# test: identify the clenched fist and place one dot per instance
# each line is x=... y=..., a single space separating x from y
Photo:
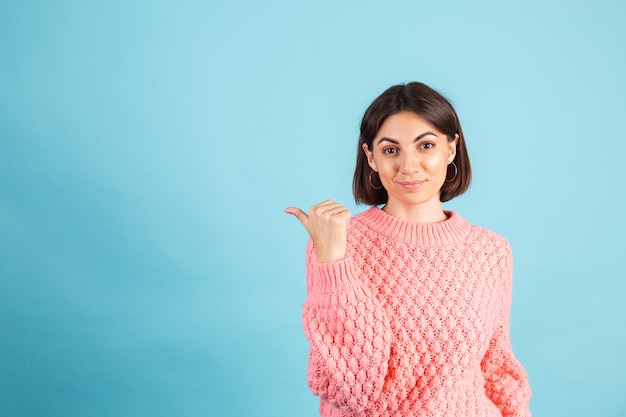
x=327 y=224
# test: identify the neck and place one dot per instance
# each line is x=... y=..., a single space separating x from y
x=426 y=213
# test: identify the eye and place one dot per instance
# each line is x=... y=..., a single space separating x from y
x=427 y=145
x=389 y=151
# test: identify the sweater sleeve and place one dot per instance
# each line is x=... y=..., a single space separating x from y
x=506 y=381
x=349 y=334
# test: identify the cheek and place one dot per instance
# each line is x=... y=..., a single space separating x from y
x=387 y=166
x=438 y=164
x=380 y=162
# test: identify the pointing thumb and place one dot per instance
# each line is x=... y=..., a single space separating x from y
x=299 y=214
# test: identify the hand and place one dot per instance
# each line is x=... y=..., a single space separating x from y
x=327 y=224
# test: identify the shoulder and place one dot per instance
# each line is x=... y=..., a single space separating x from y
x=365 y=215
x=364 y=218
x=493 y=251
x=488 y=238
x=364 y=227
x=488 y=234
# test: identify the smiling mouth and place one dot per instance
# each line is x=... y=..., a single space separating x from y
x=411 y=185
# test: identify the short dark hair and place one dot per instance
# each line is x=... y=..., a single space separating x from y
x=432 y=107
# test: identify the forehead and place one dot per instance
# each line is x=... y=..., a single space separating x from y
x=405 y=125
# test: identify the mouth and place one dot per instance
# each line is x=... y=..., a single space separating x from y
x=411 y=185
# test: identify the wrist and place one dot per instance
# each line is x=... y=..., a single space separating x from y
x=327 y=255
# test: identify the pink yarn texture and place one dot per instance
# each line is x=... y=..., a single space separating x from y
x=414 y=321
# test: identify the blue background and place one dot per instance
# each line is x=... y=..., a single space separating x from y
x=148 y=149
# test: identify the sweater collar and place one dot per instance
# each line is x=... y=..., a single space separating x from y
x=450 y=231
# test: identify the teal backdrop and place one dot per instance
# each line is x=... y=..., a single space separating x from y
x=148 y=149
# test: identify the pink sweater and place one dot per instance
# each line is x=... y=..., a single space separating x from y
x=414 y=322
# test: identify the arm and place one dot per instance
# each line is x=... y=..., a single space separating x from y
x=506 y=382
x=349 y=333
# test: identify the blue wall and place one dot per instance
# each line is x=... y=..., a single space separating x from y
x=148 y=148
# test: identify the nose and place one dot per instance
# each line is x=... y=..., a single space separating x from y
x=410 y=163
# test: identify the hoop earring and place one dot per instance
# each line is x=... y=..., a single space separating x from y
x=372 y=185
x=456 y=172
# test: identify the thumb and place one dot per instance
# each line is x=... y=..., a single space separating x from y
x=299 y=214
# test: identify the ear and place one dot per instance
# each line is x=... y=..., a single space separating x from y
x=452 y=147
x=370 y=157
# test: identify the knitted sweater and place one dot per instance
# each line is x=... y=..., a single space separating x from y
x=414 y=321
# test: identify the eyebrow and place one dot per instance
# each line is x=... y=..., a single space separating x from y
x=386 y=139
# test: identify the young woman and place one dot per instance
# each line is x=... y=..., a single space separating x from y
x=408 y=305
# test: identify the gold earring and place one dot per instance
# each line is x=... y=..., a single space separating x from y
x=372 y=185
x=456 y=172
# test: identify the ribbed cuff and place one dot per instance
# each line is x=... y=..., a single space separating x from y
x=333 y=276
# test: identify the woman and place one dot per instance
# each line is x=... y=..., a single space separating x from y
x=408 y=305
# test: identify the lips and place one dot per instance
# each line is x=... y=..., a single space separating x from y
x=411 y=185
